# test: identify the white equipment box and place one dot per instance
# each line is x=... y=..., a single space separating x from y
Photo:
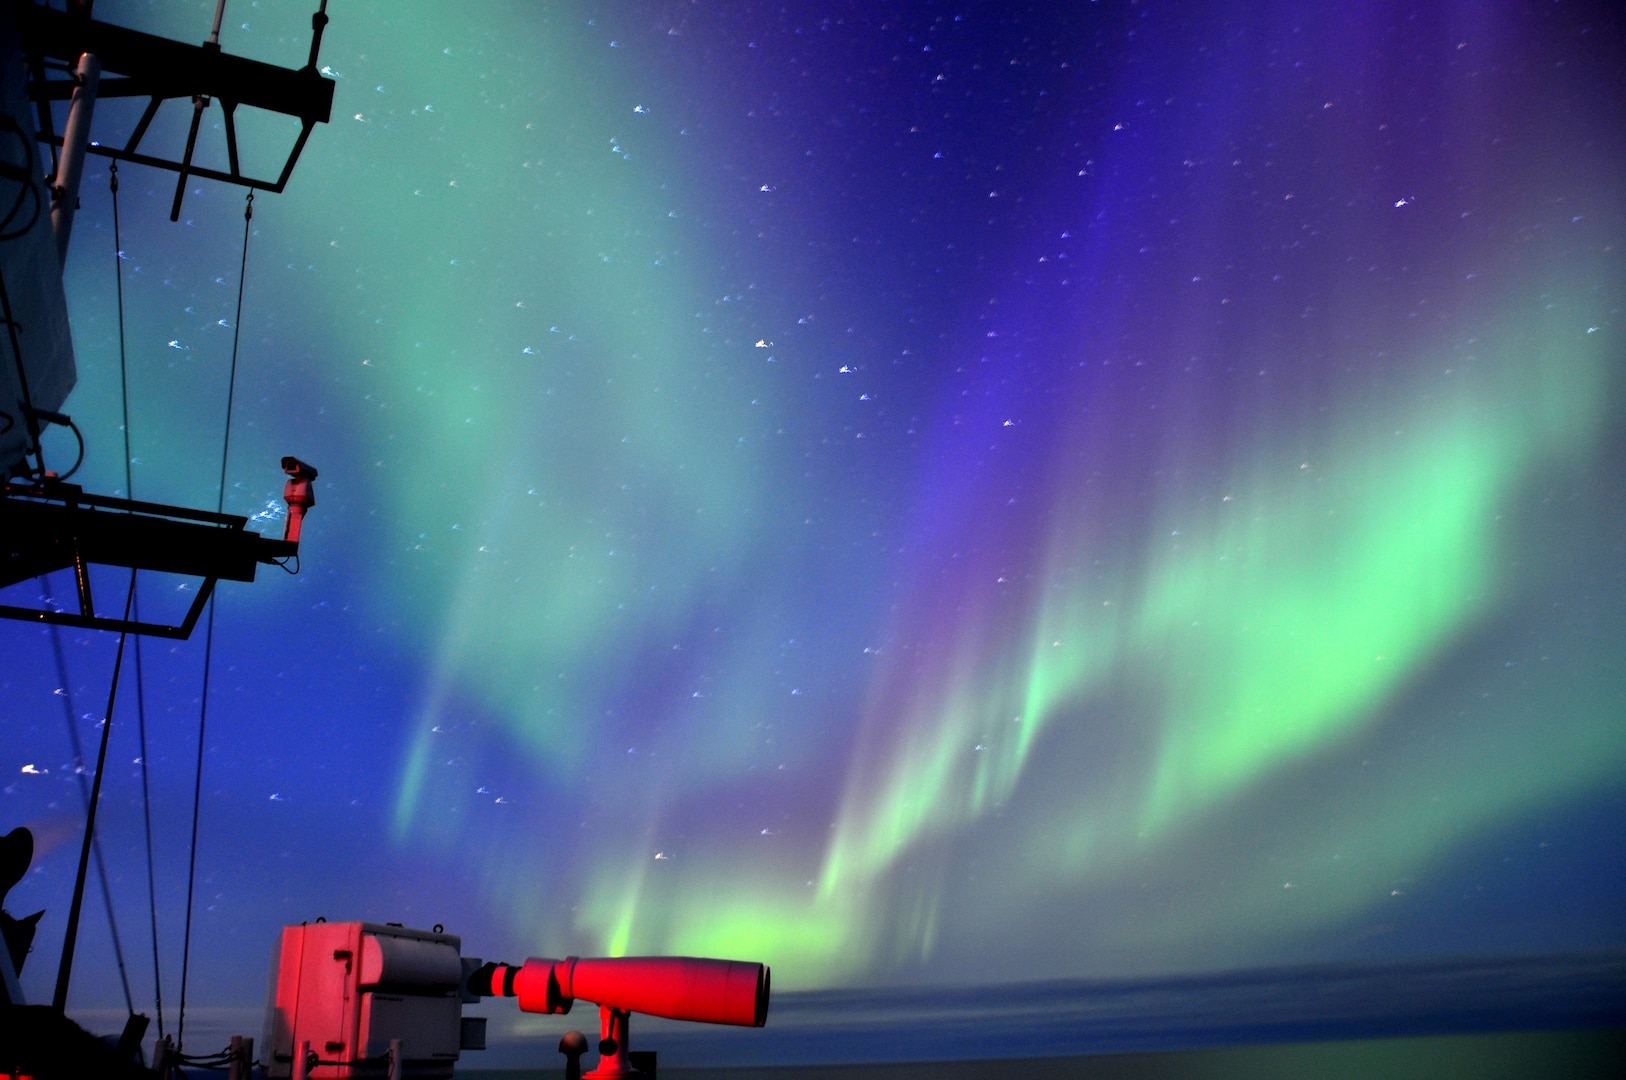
x=349 y=988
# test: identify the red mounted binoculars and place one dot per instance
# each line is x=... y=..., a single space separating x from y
x=676 y=987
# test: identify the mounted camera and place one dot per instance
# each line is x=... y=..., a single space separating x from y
x=298 y=469
x=298 y=494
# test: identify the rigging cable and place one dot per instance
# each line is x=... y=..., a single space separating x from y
x=64 y=970
x=10 y=125
x=69 y=713
x=209 y=637
x=141 y=690
x=93 y=796
x=30 y=417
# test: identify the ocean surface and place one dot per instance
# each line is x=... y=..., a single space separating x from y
x=1316 y=1004
x=1570 y=1055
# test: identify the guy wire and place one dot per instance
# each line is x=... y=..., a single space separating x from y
x=141 y=690
x=209 y=638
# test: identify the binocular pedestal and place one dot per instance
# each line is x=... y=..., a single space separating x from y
x=614 y=1056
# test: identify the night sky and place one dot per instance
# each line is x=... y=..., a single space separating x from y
x=908 y=493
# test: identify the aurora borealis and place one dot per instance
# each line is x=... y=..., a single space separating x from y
x=911 y=494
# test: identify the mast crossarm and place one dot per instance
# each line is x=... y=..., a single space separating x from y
x=160 y=67
x=45 y=529
x=137 y=64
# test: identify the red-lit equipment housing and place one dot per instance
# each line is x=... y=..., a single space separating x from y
x=676 y=987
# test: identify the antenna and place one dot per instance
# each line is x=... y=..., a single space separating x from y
x=214 y=31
